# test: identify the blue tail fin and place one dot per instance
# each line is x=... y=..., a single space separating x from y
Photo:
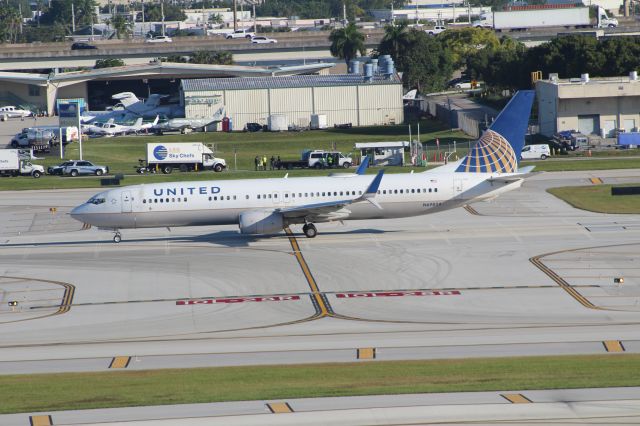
x=498 y=150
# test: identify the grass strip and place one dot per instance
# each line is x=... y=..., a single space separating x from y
x=598 y=198
x=74 y=391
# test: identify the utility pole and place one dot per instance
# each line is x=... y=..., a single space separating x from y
x=162 y=12
x=344 y=13
x=142 y=3
x=255 y=28
x=235 y=15
x=20 y=12
x=73 y=19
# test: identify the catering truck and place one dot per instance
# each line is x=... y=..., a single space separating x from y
x=187 y=156
x=577 y=17
x=13 y=164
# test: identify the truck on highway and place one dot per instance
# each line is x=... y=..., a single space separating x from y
x=577 y=17
x=187 y=156
x=12 y=163
x=316 y=159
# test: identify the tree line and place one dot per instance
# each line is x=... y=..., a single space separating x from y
x=427 y=63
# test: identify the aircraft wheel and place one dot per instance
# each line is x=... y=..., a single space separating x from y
x=117 y=238
x=310 y=230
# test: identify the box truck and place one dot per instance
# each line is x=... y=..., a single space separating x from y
x=577 y=17
x=191 y=156
x=13 y=164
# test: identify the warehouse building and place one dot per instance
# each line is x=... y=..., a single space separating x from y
x=353 y=99
x=598 y=107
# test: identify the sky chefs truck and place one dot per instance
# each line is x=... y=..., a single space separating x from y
x=185 y=157
x=577 y=17
x=11 y=164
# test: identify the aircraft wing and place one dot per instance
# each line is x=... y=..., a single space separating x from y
x=331 y=209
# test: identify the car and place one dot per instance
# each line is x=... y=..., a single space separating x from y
x=75 y=168
x=159 y=39
x=240 y=34
x=263 y=40
x=436 y=30
x=80 y=45
x=253 y=127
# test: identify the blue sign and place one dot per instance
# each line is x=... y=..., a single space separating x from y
x=160 y=152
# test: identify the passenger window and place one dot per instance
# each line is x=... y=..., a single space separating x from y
x=384 y=191
x=359 y=192
x=286 y=195
x=429 y=189
x=258 y=196
x=269 y=195
x=300 y=194
x=185 y=199
x=228 y=198
x=413 y=191
x=306 y=194
x=435 y=190
x=401 y=191
x=209 y=198
x=162 y=200
x=173 y=200
x=378 y=191
x=341 y=193
x=247 y=197
x=395 y=191
x=144 y=201
x=324 y=194
x=155 y=200
x=335 y=193
x=275 y=195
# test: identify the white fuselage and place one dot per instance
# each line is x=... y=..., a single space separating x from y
x=221 y=202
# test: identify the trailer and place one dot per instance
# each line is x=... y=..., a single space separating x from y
x=13 y=164
x=185 y=157
x=539 y=17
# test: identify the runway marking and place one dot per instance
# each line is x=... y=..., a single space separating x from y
x=63 y=307
x=236 y=300
x=613 y=346
x=320 y=302
x=516 y=398
x=472 y=210
x=40 y=420
x=366 y=353
x=562 y=283
x=399 y=294
x=120 y=362
x=279 y=407
x=596 y=181
x=86 y=226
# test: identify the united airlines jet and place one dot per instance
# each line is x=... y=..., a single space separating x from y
x=264 y=206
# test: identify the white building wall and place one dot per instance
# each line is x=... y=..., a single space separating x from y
x=380 y=104
x=295 y=103
x=339 y=104
x=247 y=106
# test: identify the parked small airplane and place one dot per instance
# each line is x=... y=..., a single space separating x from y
x=112 y=129
x=264 y=206
x=185 y=125
x=14 y=112
x=130 y=107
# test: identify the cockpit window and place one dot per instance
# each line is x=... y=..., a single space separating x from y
x=96 y=200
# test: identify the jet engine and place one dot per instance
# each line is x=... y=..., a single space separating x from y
x=261 y=222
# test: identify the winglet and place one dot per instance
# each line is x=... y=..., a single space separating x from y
x=372 y=190
x=362 y=168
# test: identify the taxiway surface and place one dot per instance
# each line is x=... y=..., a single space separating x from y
x=525 y=274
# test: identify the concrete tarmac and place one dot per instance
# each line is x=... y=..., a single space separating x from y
x=526 y=274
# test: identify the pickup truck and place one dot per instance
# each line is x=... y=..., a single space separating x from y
x=436 y=30
x=240 y=34
x=316 y=159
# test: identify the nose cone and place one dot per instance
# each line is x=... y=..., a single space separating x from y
x=80 y=213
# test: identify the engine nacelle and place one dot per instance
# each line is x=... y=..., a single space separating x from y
x=261 y=222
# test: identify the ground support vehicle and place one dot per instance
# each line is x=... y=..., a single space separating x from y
x=13 y=164
x=78 y=167
x=316 y=159
x=186 y=157
x=40 y=140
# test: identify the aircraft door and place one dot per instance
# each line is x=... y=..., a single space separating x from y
x=457 y=186
x=126 y=202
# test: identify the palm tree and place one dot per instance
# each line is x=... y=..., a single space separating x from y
x=395 y=40
x=347 y=42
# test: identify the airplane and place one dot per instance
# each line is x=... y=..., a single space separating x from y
x=267 y=206
x=129 y=106
x=10 y=111
x=96 y=126
x=112 y=129
x=185 y=125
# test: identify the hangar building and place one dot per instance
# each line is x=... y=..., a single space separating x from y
x=346 y=98
x=598 y=106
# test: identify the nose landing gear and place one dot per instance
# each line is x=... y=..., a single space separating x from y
x=117 y=237
x=309 y=230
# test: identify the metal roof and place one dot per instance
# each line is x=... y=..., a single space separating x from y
x=246 y=83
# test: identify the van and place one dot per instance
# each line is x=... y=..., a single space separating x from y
x=534 y=152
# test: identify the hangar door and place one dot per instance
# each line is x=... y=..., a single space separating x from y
x=589 y=124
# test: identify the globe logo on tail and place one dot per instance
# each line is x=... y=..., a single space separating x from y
x=491 y=154
x=160 y=152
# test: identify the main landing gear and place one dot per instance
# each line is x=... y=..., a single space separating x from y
x=309 y=230
x=117 y=237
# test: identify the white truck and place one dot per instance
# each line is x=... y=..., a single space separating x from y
x=13 y=164
x=240 y=34
x=577 y=17
x=186 y=156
